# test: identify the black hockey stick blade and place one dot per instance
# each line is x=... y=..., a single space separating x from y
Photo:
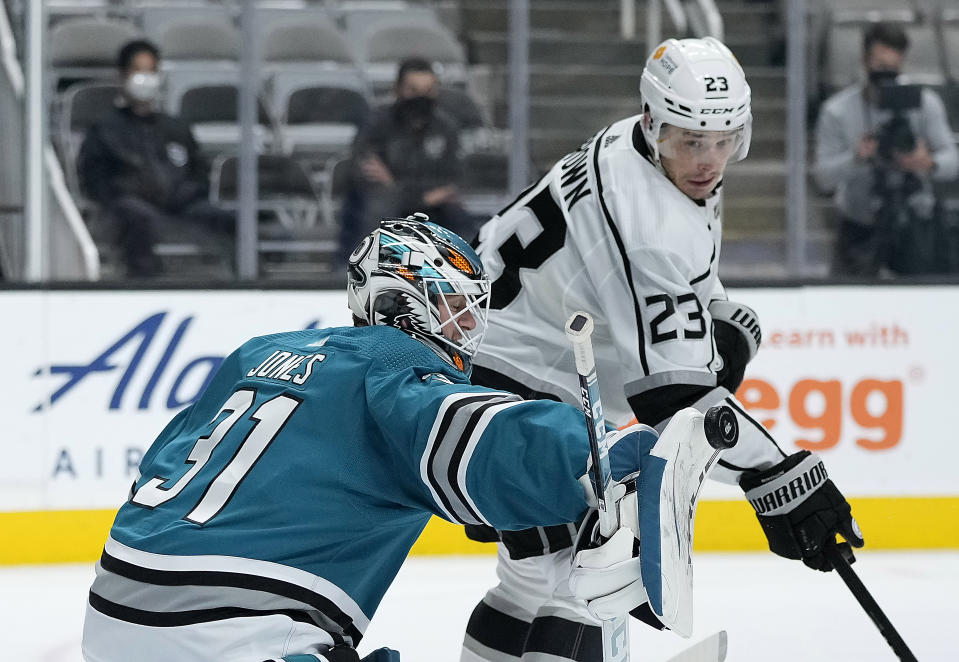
x=837 y=554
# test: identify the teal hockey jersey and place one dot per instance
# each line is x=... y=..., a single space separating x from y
x=297 y=483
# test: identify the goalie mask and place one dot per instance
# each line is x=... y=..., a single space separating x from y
x=697 y=98
x=424 y=280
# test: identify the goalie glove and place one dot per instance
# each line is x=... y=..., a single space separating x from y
x=800 y=509
x=737 y=335
x=652 y=579
x=608 y=576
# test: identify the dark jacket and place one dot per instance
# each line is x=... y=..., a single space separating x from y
x=154 y=158
x=418 y=160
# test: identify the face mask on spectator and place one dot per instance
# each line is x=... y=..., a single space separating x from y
x=879 y=77
x=415 y=111
x=143 y=86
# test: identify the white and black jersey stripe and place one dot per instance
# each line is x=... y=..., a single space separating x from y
x=621 y=250
x=145 y=589
x=459 y=424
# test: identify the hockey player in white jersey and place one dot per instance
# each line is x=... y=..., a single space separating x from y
x=628 y=229
x=272 y=514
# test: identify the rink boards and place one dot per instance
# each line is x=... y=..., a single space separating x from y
x=864 y=376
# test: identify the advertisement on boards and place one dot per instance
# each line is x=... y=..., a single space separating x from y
x=94 y=377
x=863 y=376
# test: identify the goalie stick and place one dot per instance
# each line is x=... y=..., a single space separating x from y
x=840 y=555
x=579 y=328
x=720 y=428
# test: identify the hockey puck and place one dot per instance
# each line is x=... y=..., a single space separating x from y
x=721 y=427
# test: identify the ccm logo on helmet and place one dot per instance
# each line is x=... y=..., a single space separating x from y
x=717 y=111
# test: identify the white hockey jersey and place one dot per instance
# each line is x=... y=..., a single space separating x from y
x=606 y=232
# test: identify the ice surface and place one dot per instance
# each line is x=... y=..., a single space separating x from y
x=773 y=609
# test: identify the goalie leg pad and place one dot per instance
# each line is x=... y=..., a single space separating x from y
x=655 y=508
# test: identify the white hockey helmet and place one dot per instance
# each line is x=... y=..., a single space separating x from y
x=424 y=280
x=697 y=85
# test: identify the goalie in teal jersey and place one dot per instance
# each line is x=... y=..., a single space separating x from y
x=270 y=517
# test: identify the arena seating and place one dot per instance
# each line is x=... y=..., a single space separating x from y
x=324 y=64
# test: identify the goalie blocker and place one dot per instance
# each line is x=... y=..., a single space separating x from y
x=656 y=512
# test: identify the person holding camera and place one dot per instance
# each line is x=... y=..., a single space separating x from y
x=879 y=147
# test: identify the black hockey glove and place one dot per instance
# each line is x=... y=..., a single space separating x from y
x=737 y=335
x=800 y=509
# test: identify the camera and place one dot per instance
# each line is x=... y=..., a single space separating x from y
x=896 y=135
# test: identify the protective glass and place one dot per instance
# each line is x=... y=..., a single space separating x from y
x=678 y=143
x=460 y=311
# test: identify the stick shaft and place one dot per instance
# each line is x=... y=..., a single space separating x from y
x=599 y=471
x=579 y=328
x=869 y=604
x=580 y=336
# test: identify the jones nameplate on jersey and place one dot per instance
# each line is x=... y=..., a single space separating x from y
x=283 y=366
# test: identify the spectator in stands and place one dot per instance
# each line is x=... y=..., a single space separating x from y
x=143 y=167
x=405 y=160
x=881 y=162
